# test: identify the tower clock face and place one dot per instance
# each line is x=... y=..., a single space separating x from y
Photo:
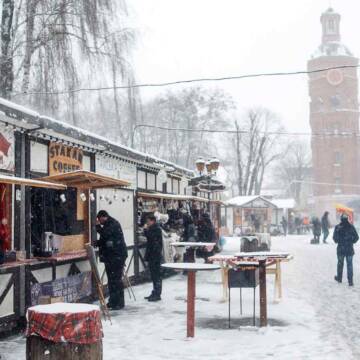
x=335 y=77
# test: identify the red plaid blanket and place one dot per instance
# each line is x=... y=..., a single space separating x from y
x=79 y=328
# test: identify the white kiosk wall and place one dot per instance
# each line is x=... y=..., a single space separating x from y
x=119 y=203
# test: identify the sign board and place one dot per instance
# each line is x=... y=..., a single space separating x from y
x=117 y=169
x=63 y=158
x=72 y=288
x=7 y=141
x=39 y=157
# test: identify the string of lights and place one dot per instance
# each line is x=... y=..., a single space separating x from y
x=187 y=81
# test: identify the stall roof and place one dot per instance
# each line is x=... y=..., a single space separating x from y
x=249 y=201
x=21 y=116
x=30 y=182
x=86 y=180
x=284 y=203
x=157 y=195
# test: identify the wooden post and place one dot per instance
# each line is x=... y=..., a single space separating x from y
x=191 y=304
x=263 y=300
x=225 y=280
x=278 y=268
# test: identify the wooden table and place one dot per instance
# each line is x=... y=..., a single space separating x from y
x=192 y=246
x=273 y=267
x=191 y=269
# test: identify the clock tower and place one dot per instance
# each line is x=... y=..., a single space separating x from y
x=334 y=119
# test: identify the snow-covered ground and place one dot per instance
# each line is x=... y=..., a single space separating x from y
x=317 y=318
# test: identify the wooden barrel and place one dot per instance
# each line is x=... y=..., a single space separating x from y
x=64 y=331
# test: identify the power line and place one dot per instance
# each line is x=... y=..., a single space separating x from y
x=234 y=131
x=188 y=81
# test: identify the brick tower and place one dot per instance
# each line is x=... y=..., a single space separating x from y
x=334 y=119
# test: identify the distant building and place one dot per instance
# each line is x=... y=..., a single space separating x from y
x=334 y=119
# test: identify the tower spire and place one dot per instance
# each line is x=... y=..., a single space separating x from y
x=330 y=21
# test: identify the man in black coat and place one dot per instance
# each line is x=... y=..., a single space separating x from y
x=325 y=226
x=153 y=255
x=206 y=233
x=113 y=253
x=345 y=236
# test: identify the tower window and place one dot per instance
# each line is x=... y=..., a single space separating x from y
x=338 y=158
x=338 y=185
x=331 y=26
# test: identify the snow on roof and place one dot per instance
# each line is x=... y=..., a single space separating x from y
x=284 y=203
x=244 y=200
x=18 y=107
x=64 y=125
x=332 y=48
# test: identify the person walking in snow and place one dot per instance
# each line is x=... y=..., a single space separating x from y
x=316 y=229
x=325 y=226
x=284 y=225
x=345 y=236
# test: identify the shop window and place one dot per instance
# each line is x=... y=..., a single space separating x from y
x=57 y=212
x=141 y=179
x=5 y=217
x=151 y=181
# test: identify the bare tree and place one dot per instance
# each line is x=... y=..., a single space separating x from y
x=6 y=60
x=294 y=168
x=193 y=108
x=256 y=147
x=52 y=45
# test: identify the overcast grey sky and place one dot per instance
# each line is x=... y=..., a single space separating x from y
x=181 y=39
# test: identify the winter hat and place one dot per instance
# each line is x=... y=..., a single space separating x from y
x=344 y=216
x=102 y=213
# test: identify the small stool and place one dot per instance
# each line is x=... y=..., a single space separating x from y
x=64 y=331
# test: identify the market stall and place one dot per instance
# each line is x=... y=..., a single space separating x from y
x=250 y=214
x=14 y=263
x=168 y=208
x=66 y=222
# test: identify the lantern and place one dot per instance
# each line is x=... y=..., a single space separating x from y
x=200 y=165
x=215 y=163
x=209 y=167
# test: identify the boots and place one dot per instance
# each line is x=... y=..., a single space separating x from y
x=148 y=297
x=337 y=279
x=156 y=294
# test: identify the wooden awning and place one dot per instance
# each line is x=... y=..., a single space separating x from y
x=5 y=179
x=86 y=180
x=157 y=195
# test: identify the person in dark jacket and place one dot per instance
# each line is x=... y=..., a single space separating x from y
x=188 y=235
x=206 y=233
x=316 y=229
x=284 y=225
x=153 y=256
x=113 y=253
x=189 y=228
x=325 y=226
x=345 y=236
